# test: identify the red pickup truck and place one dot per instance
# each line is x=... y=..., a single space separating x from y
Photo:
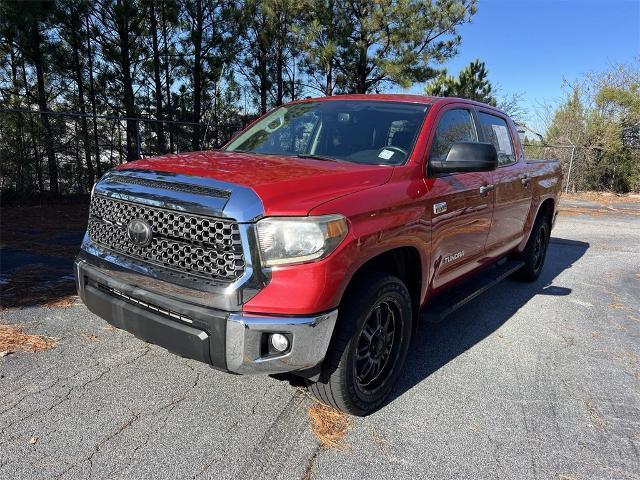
x=315 y=239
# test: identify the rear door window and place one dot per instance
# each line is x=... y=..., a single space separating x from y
x=454 y=126
x=496 y=131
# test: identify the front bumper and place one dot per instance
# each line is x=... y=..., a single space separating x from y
x=229 y=341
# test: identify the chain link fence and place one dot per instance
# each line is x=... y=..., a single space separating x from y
x=589 y=168
x=87 y=145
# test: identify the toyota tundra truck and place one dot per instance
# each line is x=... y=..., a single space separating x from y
x=318 y=237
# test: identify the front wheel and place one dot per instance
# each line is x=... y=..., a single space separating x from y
x=369 y=347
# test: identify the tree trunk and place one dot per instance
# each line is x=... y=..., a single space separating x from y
x=32 y=128
x=279 y=68
x=264 y=81
x=167 y=78
x=84 y=130
x=363 y=46
x=329 y=88
x=20 y=127
x=42 y=106
x=133 y=152
x=92 y=96
x=361 y=71
x=76 y=143
x=329 y=72
x=197 y=76
x=280 y=43
x=162 y=147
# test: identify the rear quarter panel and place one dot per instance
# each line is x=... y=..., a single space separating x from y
x=546 y=182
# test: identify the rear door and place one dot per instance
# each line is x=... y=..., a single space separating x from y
x=512 y=186
x=461 y=213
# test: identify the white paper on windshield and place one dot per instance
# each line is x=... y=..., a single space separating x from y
x=502 y=134
x=386 y=154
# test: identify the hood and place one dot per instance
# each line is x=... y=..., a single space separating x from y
x=286 y=185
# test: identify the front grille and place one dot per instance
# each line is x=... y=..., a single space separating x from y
x=204 y=246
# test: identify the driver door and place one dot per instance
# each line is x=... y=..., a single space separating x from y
x=461 y=204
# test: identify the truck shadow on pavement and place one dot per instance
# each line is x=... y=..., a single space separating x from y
x=39 y=243
x=435 y=345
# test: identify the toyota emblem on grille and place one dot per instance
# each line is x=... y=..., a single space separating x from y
x=139 y=232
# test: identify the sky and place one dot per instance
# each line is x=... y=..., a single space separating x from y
x=530 y=46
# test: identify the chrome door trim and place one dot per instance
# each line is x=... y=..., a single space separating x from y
x=487 y=188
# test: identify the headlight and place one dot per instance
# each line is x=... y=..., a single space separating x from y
x=288 y=240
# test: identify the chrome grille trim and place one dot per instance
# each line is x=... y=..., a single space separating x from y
x=175 y=186
x=197 y=245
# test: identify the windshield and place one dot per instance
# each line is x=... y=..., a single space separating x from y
x=370 y=132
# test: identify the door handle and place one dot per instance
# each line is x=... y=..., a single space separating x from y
x=486 y=188
x=525 y=181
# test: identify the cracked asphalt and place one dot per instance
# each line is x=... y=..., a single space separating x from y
x=528 y=381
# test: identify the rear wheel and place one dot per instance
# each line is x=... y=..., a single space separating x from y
x=369 y=347
x=535 y=251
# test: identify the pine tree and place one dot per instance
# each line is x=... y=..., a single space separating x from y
x=211 y=46
x=31 y=21
x=121 y=25
x=387 y=42
x=471 y=83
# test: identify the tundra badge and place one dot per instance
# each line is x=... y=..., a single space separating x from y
x=453 y=256
x=439 y=207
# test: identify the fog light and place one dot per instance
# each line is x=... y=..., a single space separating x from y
x=279 y=342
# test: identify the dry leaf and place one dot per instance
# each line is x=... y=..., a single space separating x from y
x=329 y=425
x=13 y=339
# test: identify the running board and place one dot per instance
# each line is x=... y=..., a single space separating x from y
x=448 y=302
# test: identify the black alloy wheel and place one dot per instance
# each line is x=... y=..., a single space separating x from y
x=369 y=345
x=376 y=350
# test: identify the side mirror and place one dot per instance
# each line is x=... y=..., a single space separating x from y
x=467 y=157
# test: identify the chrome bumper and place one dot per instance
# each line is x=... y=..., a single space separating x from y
x=180 y=320
x=309 y=341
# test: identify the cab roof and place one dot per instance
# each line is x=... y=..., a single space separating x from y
x=399 y=97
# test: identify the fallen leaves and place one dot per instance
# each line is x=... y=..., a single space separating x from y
x=13 y=339
x=329 y=425
x=63 y=302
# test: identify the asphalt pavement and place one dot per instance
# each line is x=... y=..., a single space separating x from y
x=528 y=381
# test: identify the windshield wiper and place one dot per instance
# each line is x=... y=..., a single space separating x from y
x=299 y=155
x=253 y=152
x=317 y=157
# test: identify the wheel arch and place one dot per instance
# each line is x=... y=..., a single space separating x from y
x=546 y=207
x=404 y=262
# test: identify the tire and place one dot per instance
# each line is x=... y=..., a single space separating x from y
x=364 y=361
x=535 y=251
